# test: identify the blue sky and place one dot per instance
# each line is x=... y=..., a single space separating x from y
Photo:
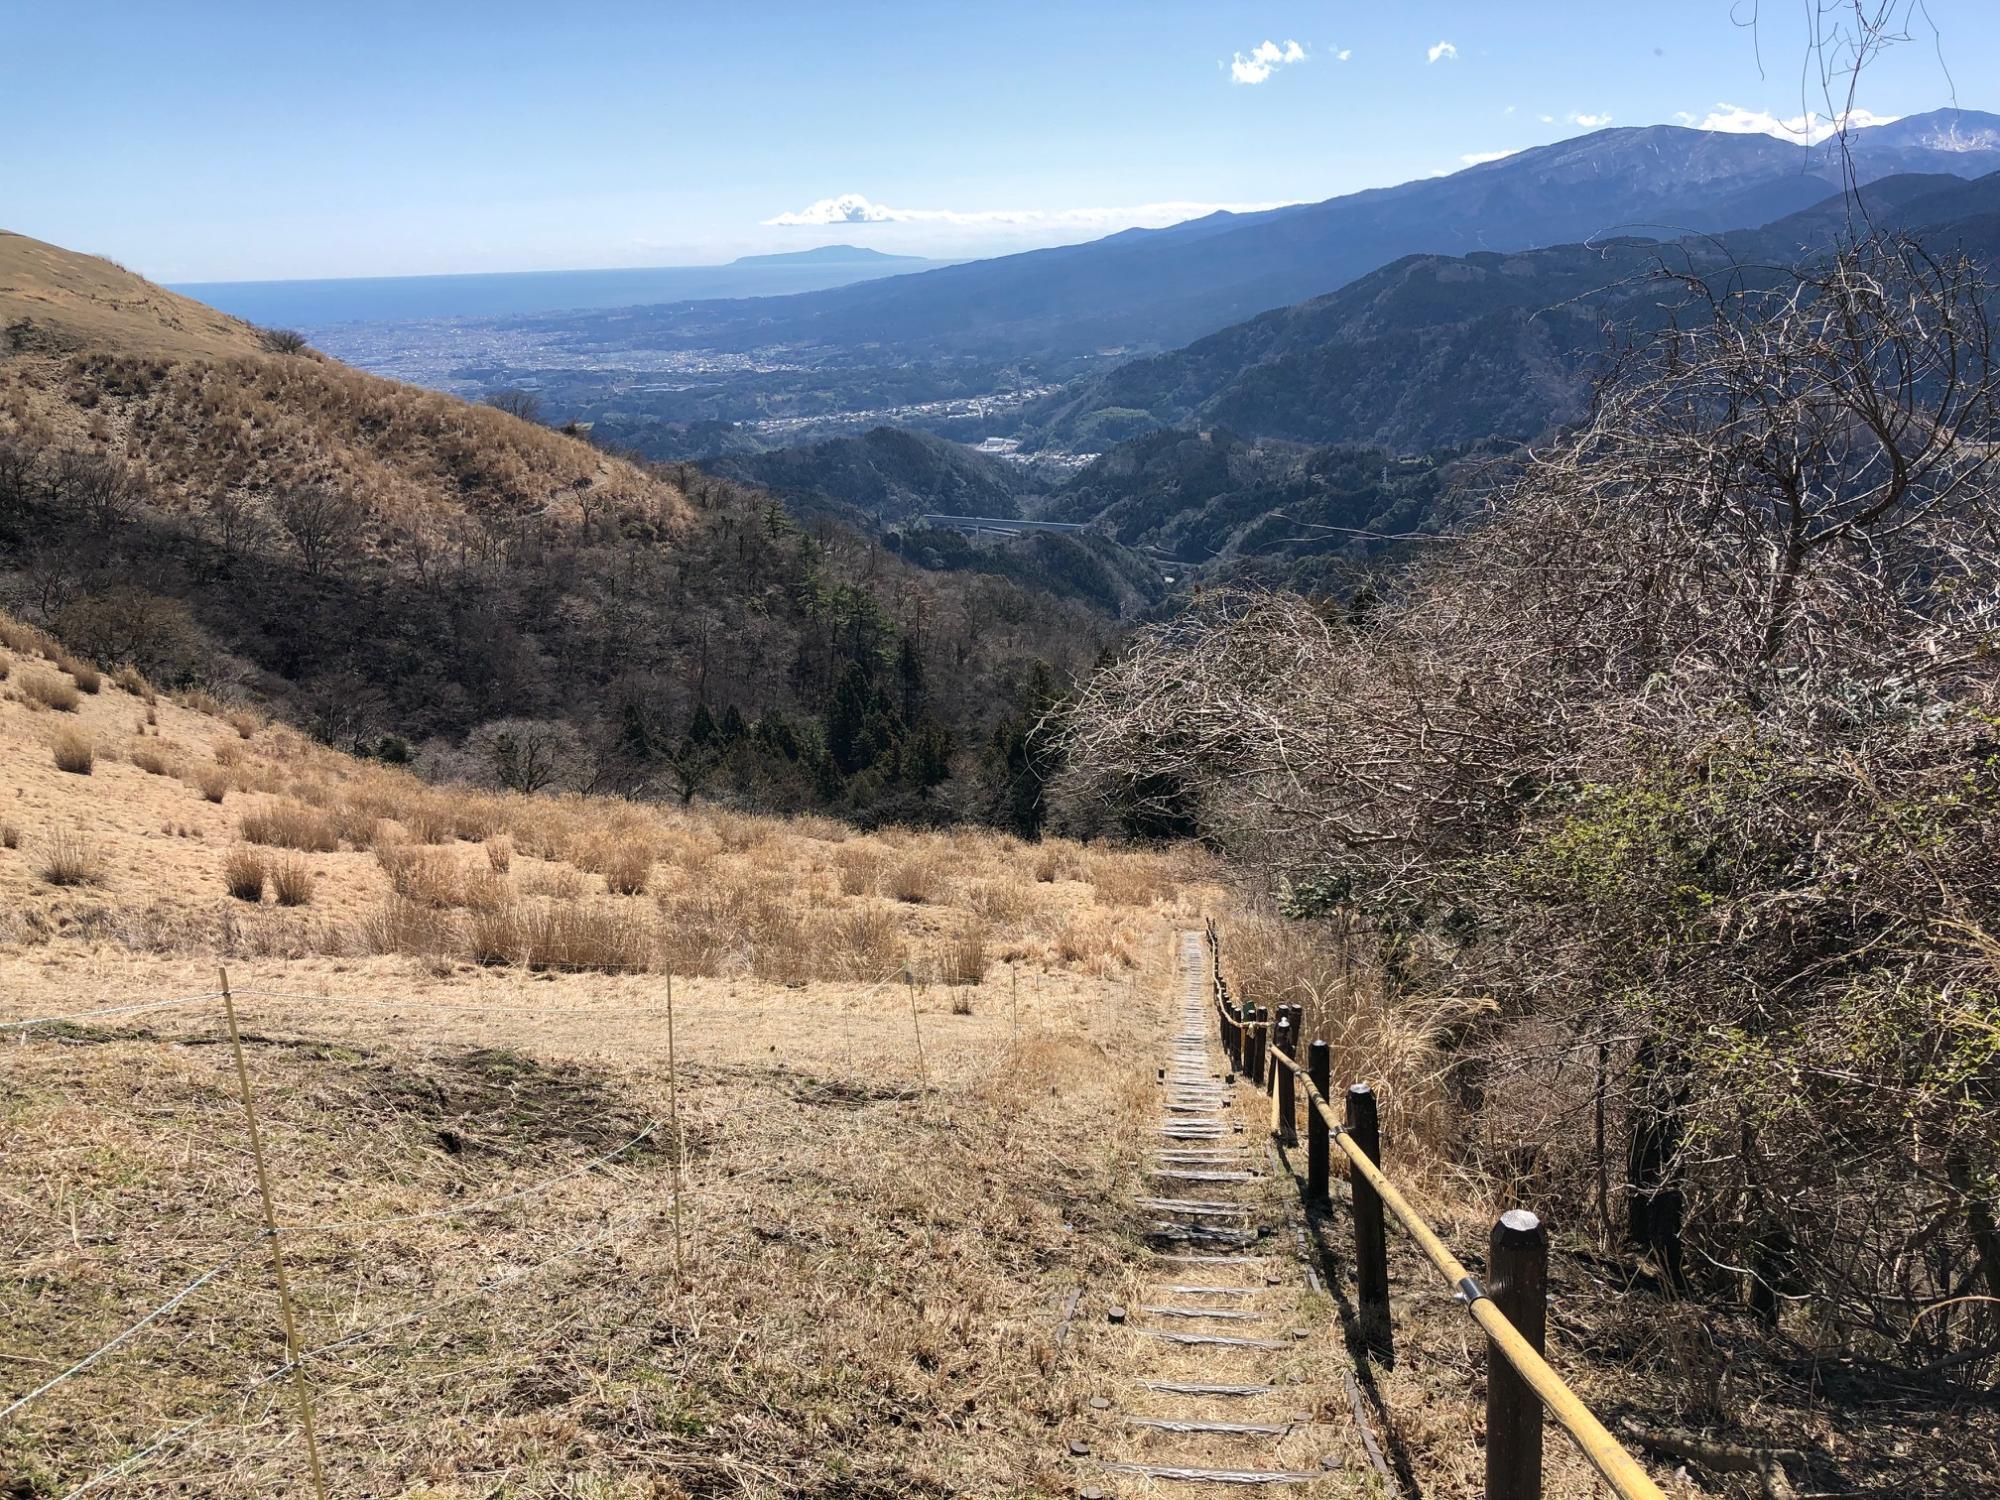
x=236 y=141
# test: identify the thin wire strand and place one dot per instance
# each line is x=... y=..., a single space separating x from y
x=110 y=1010
x=146 y=1322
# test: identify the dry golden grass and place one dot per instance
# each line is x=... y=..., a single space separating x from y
x=854 y=1224
x=244 y=873
x=74 y=751
x=84 y=299
x=10 y=835
x=68 y=858
x=50 y=691
x=292 y=881
x=291 y=825
x=914 y=879
x=212 y=783
x=151 y=757
x=962 y=956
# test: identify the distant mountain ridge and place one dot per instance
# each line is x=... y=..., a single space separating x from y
x=1150 y=289
x=1435 y=350
x=838 y=255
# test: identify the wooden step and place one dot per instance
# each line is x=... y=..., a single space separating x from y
x=1247 y=1477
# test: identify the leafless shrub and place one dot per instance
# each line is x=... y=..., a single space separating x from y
x=1662 y=771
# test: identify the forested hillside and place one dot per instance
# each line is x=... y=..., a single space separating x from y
x=408 y=575
x=1435 y=350
x=1646 y=839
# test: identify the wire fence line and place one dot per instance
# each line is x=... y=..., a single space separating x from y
x=110 y=1010
x=131 y=1330
x=612 y=1232
x=301 y=1359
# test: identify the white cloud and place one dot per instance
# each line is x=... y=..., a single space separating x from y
x=1343 y=54
x=1546 y=119
x=1480 y=158
x=1807 y=129
x=1442 y=50
x=1264 y=60
x=1590 y=122
x=853 y=208
x=1508 y=110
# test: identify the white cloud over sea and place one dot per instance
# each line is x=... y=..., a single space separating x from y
x=854 y=208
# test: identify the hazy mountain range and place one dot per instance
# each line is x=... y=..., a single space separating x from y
x=1150 y=289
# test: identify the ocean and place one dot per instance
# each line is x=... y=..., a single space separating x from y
x=311 y=305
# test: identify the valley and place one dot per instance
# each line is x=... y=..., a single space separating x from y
x=1350 y=849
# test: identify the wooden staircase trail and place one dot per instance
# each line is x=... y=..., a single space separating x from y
x=1217 y=1389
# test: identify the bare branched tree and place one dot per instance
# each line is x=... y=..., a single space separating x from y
x=1685 y=756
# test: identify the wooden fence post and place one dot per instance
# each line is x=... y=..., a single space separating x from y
x=1283 y=1084
x=1371 y=1243
x=1517 y=1269
x=294 y=1351
x=1319 y=1068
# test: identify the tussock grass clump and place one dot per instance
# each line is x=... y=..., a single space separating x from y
x=428 y=821
x=74 y=751
x=400 y=925
x=292 y=881
x=500 y=854
x=243 y=872
x=1008 y=899
x=623 y=856
x=291 y=825
x=16 y=635
x=859 y=867
x=499 y=936
x=703 y=930
x=50 y=691
x=558 y=882
x=611 y=936
x=962 y=958
x=629 y=868
x=70 y=859
x=1130 y=879
x=83 y=674
x=245 y=723
x=914 y=880
x=866 y=944
x=150 y=758
x=10 y=835
x=133 y=681
x=424 y=875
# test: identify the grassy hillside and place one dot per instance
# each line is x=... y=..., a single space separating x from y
x=454 y=1011
x=400 y=572
x=53 y=298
